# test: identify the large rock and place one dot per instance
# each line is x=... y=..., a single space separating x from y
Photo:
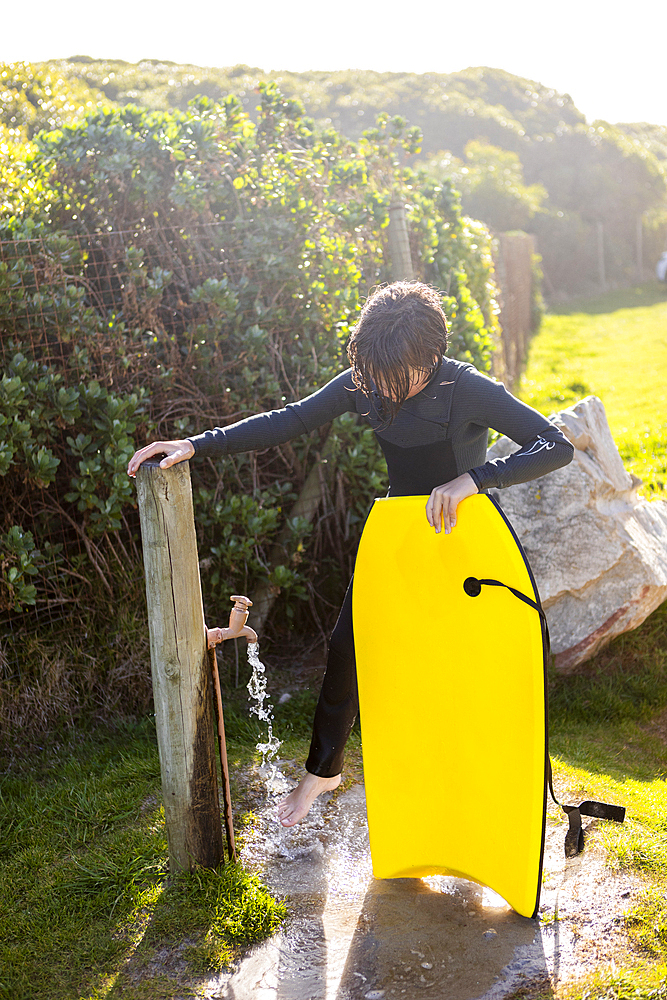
x=598 y=551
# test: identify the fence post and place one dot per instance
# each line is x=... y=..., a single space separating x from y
x=513 y=261
x=399 y=243
x=602 y=276
x=639 y=247
x=179 y=667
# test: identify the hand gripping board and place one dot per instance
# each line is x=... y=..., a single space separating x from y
x=452 y=699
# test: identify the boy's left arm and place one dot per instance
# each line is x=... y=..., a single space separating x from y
x=544 y=447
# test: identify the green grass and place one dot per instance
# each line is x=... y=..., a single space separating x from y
x=637 y=982
x=604 y=741
x=604 y=747
x=647 y=923
x=614 y=347
x=86 y=902
x=88 y=910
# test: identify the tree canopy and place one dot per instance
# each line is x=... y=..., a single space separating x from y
x=593 y=175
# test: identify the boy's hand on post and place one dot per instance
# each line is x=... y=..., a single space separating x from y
x=443 y=501
x=175 y=451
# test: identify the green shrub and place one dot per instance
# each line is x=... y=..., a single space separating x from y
x=170 y=271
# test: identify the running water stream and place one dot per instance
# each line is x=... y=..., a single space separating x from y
x=263 y=709
x=349 y=936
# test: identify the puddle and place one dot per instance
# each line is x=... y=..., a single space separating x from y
x=351 y=937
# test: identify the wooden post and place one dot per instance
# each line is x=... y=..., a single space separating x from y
x=179 y=666
x=399 y=243
x=601 y=268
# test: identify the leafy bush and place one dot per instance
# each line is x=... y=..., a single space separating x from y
x=492 y=185
x=168 y=271
x=39 y=97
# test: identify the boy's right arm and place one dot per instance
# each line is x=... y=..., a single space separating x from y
x=263 y=430
x=260 y=431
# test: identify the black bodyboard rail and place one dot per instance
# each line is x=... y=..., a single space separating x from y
x=574 y=838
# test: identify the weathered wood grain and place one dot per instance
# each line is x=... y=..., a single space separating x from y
x=179 y=666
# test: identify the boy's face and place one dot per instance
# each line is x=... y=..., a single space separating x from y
x=418 y=379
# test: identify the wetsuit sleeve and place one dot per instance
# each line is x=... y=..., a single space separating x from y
x=544 y=447
x=276 y=426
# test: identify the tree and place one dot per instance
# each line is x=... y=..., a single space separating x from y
x=492 y=186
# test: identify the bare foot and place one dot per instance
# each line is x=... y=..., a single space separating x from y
x=296 y=805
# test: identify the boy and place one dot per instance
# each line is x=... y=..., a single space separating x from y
x=431 y=415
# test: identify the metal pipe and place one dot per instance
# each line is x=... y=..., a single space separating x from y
x=238 y=617
x=222 y=749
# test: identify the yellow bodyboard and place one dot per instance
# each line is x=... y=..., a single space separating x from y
x=452 y=699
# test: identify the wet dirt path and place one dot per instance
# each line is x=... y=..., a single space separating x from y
x=350 y=936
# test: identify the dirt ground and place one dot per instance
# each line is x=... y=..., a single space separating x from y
x=350 y=936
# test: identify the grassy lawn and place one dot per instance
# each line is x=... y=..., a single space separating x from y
x=608 y=722
x=87 y=907
x=614 y=347
x=88 y=912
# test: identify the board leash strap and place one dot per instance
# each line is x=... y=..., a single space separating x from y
x=473 y=588
x=574 y=838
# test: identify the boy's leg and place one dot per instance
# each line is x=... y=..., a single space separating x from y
x=334 y=717
x=338 y=703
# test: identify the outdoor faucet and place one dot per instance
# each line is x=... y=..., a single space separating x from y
x=238 y=617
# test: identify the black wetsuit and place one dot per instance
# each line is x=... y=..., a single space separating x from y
x=437 y=435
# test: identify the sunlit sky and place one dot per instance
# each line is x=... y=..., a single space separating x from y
x=609 y=58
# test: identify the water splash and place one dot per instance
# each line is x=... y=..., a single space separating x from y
x=263 y=709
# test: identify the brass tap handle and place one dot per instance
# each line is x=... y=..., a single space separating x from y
x=244 y=602
x=238 y=616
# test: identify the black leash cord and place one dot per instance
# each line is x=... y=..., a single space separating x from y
x=574 y=838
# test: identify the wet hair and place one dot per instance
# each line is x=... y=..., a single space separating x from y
x=402 y=329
